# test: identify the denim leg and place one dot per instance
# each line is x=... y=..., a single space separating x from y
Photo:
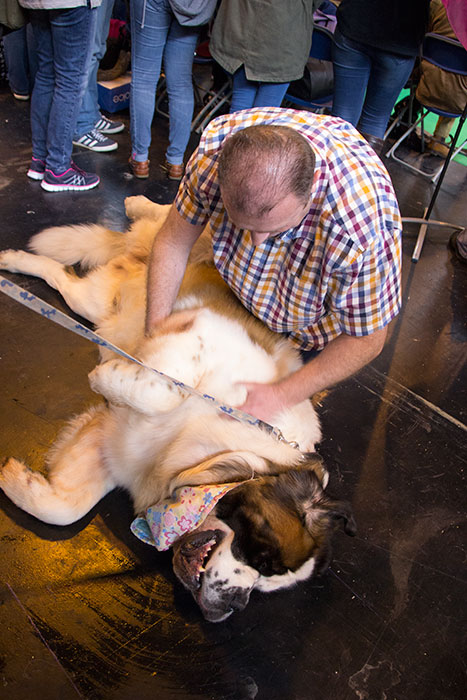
x=252 y=93
x=389 y=73
x=32 y=56
x=351 y=73
x=89 y=113
x=270 y=94
x=150 y=24
x=42 y=94
x=17 y=61
x=178 y=67
x=243 y=92
x=62 y=44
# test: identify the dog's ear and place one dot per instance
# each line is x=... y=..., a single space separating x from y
x=324 y=507
x=312 y=502
x=338 y=510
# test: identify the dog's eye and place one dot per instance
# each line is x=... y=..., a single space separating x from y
x=268 y=565
x=265 y=568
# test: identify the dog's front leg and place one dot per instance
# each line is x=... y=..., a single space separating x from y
x=127 y=384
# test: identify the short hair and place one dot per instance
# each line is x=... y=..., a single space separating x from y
x=259 y=165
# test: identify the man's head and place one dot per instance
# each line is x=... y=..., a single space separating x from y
x=265 y=177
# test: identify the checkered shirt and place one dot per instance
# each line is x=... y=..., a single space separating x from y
x=338 y=271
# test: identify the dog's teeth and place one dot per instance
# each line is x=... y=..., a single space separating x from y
x=202 y=569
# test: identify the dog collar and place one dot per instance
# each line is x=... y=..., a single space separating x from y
x=188 y=507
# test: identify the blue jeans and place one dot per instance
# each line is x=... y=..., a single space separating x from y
x=89 y=113
x=367 y=83
x=251 y=93
x=155 y=36
x=63 y=41
x=20 y=57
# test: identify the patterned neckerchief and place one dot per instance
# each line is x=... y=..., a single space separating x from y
x=189 y=506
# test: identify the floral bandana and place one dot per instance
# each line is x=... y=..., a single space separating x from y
x=167 y=521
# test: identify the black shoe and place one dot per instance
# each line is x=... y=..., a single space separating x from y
x=454 y=247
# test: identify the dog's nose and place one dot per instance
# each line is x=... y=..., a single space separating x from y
x=239 y=599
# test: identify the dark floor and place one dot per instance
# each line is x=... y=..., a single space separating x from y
x=89 y=612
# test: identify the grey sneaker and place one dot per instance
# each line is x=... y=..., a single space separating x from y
x=72 y=179
x=96 y=141
x=107 y=126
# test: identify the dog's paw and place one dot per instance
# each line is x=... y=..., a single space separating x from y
x=11 y=260
x=106 y=379
x=95 y=377
x=137 y=206
x=18 y=481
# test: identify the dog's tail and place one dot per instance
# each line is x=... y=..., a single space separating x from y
x=88 y=244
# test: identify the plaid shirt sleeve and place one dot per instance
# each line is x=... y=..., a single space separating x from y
x=366 y=296
x=189 y=201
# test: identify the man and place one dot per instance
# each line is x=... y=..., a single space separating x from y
x=306 y=232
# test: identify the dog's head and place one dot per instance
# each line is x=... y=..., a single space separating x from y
x=266 y=534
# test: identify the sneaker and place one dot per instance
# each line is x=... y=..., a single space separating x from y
x=96 y=141
x=20 y=96
x=107 y=126
x=36 y=169
x=72 y=179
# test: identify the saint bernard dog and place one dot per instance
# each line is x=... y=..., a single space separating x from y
x=260 y=516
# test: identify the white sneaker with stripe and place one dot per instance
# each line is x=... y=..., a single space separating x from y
x=95 y=141
x=107 y=126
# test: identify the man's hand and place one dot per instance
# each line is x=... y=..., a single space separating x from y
x=264 y=401
x=340 y=359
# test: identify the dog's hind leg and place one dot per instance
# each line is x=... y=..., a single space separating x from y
x=76 y=481
x=78 y=292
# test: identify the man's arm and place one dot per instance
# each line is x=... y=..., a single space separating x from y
x=340 y=359
x=167 y=264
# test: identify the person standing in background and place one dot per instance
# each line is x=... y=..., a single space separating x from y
x=21 y=63
x=263 y=50
x=156 y=36
x=63 y=32
x=92 y=127
x=375 y=46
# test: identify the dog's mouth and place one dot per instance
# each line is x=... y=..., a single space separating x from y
x=191 y=555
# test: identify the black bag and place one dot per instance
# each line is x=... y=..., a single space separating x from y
x=317 y=81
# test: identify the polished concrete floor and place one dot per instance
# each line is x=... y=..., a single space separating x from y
x=90 y=612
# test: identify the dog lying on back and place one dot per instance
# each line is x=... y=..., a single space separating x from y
x=265 y=520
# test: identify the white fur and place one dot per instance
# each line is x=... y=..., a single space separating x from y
x=151 y=437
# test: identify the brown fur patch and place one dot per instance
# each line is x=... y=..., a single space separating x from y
x=294 y=540
x=205 y=282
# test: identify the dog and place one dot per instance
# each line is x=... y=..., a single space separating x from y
x=270 y=520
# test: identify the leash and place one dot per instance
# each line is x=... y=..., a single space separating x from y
x=52 y=314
